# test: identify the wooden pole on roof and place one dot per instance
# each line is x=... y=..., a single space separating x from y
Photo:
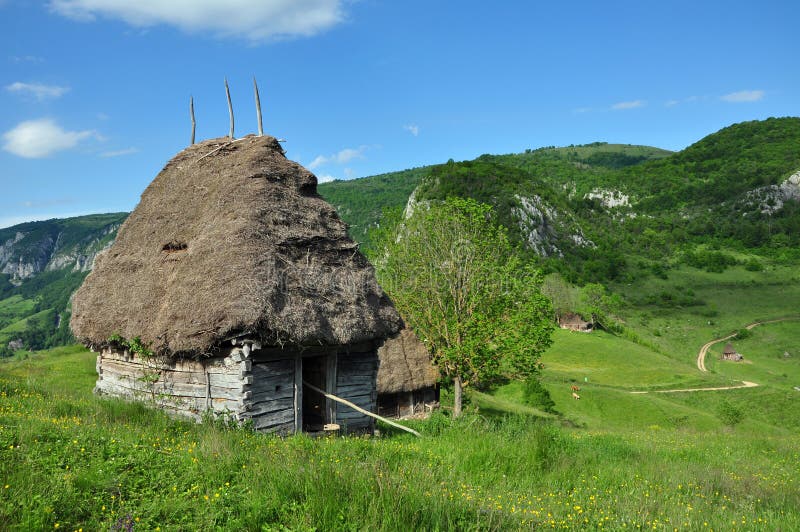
x=258 y=109
x=230 y=107
x=191 y=113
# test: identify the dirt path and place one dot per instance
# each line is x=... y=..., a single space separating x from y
x=744 y=384
x=701 y=361
x=701 y=355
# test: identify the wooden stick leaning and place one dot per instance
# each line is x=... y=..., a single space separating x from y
x=258 y=109
x=230 y=106
x=191 y=113
x=359 y=409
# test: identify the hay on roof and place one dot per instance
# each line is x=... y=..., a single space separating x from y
x=405 y=365
x=232 y=238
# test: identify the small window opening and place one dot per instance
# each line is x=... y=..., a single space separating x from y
x=174 y=247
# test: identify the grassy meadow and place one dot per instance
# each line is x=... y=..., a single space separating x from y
x=613 y=460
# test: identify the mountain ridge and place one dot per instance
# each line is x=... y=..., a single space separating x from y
x=597 y=212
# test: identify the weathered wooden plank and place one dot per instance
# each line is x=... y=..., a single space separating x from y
x=264 y=407
x=355 y=389
x=263 y=397
x=364 y=401
x=355 y=376
x=275 y=420
x=345 y=374
x=263 y=376
x=223 y=380
x=298 y=395
x=281 y=428
x=274 y=366
x=330 y=385
x=171 y=388
x=290 y=352
x=271 y=382
x=365 y=364
x=188 y=403
x=178 y=366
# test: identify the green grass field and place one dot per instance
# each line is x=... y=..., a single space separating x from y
x=613 y=460
x=729 y=300
x=13 y=310
x=7 y=333
x=70 y=460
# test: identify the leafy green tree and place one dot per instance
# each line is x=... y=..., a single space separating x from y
x=598 y=303
x=467 y=294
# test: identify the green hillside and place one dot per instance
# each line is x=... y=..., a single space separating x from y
x=605 y=213
x=362 y=202
x=43 y=264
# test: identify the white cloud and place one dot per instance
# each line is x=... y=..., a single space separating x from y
x=413 y=129
x=325 y=178
x=671 y=103
x=119 y=153
x=37 y=90
x=621 y=106
x=342 y=157
x=35 y=139
x=26 y=59
x=256 y=20
x=744 y=96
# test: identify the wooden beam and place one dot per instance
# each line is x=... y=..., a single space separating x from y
x=230 y=107
x=298 y=395
x=191 y=113
x=258 y=109
x=359 y=409
x=330 y=385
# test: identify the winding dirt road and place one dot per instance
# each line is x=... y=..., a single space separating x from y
x=701 y=361
x=701 y=356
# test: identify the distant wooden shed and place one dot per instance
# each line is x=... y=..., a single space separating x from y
x=407 y=379
x=573 y=322
x=729 y=353
x=242 y=282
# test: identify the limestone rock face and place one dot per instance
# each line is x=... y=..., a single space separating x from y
x=37 y=247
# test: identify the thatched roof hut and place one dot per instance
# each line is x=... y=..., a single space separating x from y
x=729 y=353
x=728 y=350
x=573 y=322
x=231 y=248
x=407 y=379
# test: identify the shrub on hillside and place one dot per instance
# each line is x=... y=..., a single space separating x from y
x=753 y=265
x=730 y=414
x=537 y=395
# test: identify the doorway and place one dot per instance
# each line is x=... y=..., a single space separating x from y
x=314 y=403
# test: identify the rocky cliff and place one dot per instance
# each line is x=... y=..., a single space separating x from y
x=70 y=244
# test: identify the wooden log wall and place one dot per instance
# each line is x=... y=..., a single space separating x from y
x=184 y=387
x=257 y=387
x=271 y=404
x=356 y=377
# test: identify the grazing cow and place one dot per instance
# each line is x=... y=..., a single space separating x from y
x=576 y=388
x=575 y=395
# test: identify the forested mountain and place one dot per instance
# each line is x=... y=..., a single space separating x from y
x=41 y=265
x=603 y=213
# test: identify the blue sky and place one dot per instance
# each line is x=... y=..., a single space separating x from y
x=94 y=93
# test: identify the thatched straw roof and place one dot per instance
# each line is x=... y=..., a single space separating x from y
x=729 y=350
x=405 y=364
x=231 y=237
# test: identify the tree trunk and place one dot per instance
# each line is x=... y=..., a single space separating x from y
x=457 y=392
